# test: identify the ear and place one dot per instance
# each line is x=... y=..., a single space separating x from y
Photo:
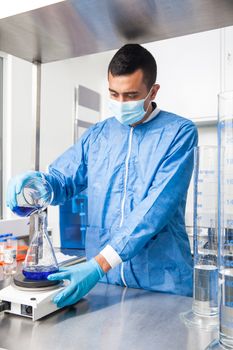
x=154 y=90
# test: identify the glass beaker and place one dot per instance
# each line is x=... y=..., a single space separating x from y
x=204 y=313
x=225 y=231
x=36 y=194
x=40 y=260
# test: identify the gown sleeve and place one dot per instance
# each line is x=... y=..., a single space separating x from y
x=68 y=173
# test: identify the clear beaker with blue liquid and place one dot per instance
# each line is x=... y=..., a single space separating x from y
x=36 y=194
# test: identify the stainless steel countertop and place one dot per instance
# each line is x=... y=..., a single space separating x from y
x=110 y=317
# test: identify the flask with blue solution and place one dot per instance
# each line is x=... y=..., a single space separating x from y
x=40 y=260
x=35 y=196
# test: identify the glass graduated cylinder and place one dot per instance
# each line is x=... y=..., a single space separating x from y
x=40 y=260
x=205 y=288
x=226 y=308
x=205 y=298
x=225 y=127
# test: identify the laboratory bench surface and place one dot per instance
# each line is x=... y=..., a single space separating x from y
x=110 y=317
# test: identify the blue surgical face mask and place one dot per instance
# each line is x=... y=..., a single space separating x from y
x=129 y=112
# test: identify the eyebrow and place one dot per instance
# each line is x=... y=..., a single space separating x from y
x=125 y=93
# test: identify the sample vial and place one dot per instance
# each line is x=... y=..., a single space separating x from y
x=2 y=248
x=8 y=237
x=9 y=259
x=14 y=245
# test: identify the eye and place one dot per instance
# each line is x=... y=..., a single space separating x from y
x=113 y=94
x=132 y=96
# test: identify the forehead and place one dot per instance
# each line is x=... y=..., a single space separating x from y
x=127 y=82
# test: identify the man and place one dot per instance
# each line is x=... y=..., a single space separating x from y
x=137 y=167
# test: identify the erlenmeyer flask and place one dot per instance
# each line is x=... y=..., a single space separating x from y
x=40 y=260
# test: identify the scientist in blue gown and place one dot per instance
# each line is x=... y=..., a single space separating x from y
x=136 y=167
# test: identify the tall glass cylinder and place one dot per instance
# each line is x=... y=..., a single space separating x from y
x=205 y=288
x=225 y=249
x=204 y=313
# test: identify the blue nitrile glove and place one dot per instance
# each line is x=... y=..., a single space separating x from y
x=83 y=277
x=16 y=184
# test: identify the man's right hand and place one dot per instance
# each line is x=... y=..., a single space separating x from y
x=16 y=184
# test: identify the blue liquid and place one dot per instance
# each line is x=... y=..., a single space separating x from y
x=40 y=275
x=24 y=211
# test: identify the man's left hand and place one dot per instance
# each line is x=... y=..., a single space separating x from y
x=83 y=277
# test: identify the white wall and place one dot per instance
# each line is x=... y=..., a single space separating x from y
x=189 y=73
x=21 y=114
x=226 y=58
x=57 y=110
x=207 y=135
x=17 y=138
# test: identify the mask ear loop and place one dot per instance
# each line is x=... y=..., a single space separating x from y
x=150 y=101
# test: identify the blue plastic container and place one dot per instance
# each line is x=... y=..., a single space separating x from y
x=73 y=222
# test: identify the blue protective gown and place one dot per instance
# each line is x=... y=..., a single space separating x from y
x=137 y=181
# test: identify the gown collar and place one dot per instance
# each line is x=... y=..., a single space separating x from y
x=153 y=114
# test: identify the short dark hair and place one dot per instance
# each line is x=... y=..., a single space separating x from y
x=132 y=57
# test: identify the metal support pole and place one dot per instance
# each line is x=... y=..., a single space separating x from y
x=36 y=115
